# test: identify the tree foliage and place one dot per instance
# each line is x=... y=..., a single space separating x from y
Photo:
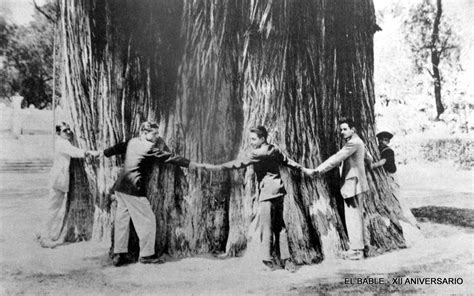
x=404 y=93
x=28 y=67
x=434 y=44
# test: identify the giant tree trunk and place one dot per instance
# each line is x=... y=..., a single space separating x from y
x=208 y=71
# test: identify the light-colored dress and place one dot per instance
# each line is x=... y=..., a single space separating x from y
x=52 y=233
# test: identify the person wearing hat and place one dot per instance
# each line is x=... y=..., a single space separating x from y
x=386 y=153
x=387 y=161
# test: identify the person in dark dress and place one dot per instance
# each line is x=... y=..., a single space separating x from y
x=266 y=160
x=387 y=161
x=387 y=155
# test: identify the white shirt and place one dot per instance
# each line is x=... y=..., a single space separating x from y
x=59 y=175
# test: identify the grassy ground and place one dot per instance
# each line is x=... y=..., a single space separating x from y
x=445 y=250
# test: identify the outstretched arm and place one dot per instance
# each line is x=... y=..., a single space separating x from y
x=117 y=149
x=166 y=156
x=333 y=161
x=207 y=166
x=285 y=160
x=230 y=165
x=74 y=152
x=377 y=164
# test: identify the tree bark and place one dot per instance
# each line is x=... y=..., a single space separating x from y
x=207 y=72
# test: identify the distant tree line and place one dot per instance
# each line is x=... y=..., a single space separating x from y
x=27 y=59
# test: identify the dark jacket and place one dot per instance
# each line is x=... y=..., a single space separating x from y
x=387 y=153
x=266 y=162
x=140 y=155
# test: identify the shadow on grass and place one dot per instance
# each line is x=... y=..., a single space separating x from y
x=445 y=215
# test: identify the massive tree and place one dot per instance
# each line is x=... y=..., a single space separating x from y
x=207 y=71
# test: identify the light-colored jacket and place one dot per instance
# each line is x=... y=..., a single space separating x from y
x=59 y=175
x=354 y=179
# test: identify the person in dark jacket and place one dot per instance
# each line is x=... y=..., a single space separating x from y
x=130 y=191
x=266 y=160
x=387 y=161
x=387 y=156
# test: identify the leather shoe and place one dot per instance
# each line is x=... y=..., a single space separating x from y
x=151 y=260
x=268 y=265
x=119 y=259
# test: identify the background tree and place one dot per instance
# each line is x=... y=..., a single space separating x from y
x=434 y=44
x=29 y=60
x=207 y=71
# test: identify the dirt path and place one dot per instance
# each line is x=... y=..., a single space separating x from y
x=83 y=268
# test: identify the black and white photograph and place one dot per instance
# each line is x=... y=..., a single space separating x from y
x=236 y=147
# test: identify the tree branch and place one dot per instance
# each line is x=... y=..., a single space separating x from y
x=44 y=13
x=429 y=72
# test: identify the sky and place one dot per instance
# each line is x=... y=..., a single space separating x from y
x=18 y=11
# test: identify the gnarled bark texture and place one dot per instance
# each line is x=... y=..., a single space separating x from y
x=208 y=71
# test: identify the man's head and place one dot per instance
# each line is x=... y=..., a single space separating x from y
x=64 y=131
x=149 y=131
x=258 y=136
x=347 y=127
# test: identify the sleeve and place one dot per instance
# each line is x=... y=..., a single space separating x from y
x=247 y=160
x=68 y=149
x=337 y=158
x=170 y=158
x=119 y=148
x=286 y=161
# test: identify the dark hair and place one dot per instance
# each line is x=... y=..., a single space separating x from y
x=348 y=121
x=148 y=126
x=60 y=126
x=260 y=130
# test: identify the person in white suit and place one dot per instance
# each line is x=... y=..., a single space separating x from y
x=51 y=235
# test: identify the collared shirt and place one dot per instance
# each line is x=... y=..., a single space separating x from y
x=59 y=175
x=140 y=156
x=266 y=162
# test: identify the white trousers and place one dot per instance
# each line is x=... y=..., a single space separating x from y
x=55 y=216
x=354 y=222
x=139 y=210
